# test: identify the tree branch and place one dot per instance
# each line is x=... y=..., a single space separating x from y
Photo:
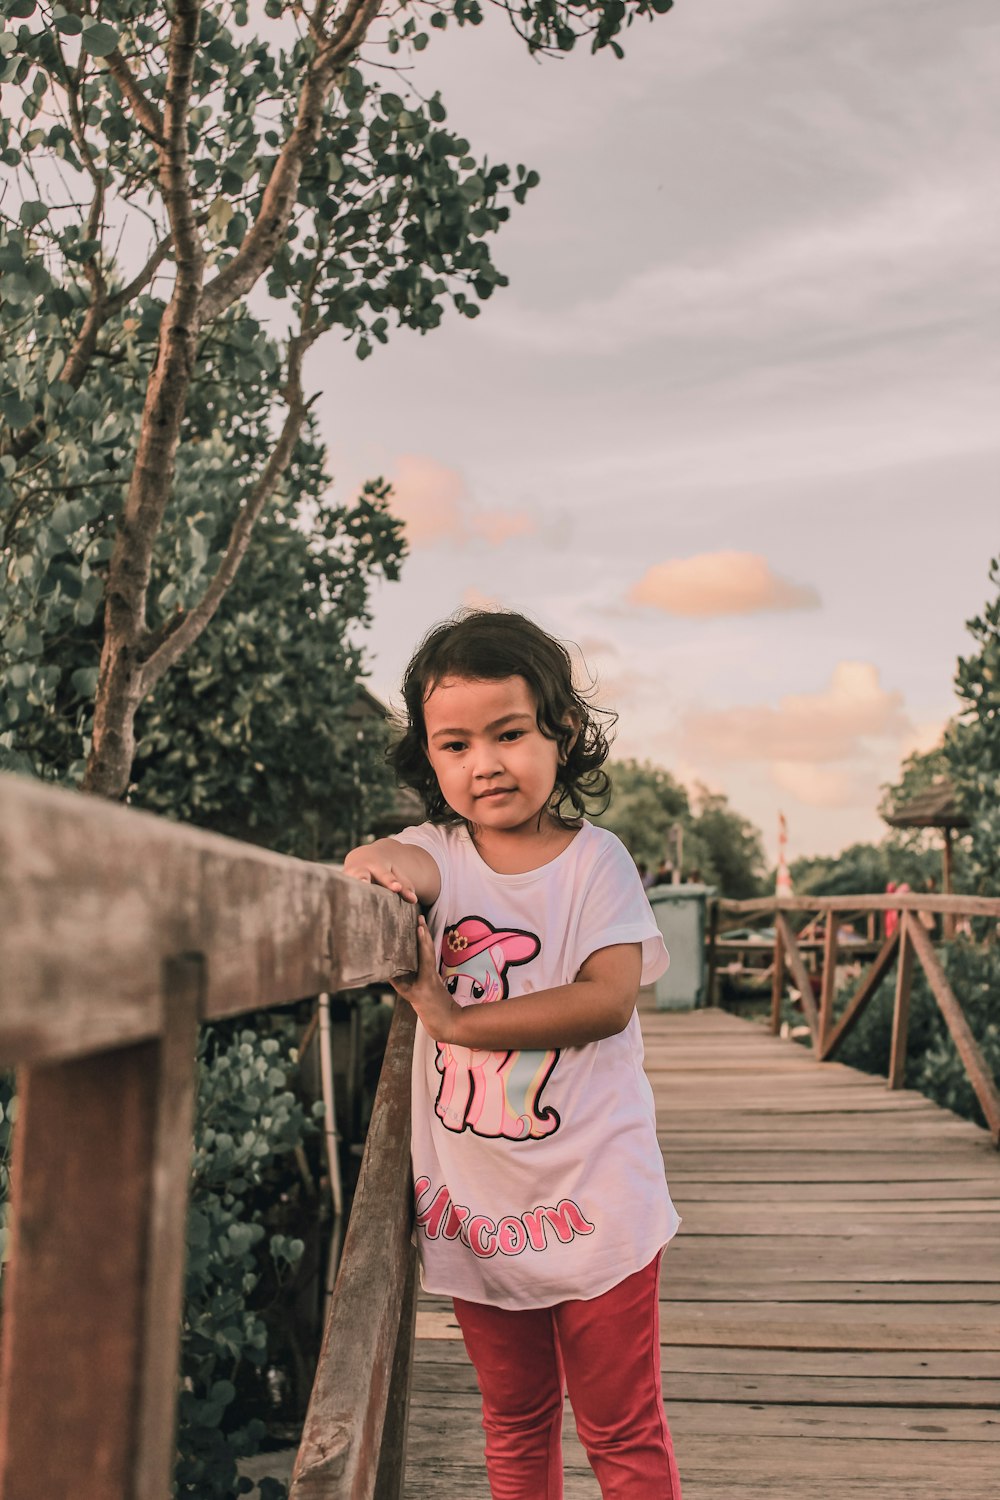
x=119 y=689
x=267 y=233
x=123 y=297
x=167 y=644
x=147 y=115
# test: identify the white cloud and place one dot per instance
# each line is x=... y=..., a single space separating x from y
x=435 y=506
x=719 y=583
x=814 y=728
x=826 y=786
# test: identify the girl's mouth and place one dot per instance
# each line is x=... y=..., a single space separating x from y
x=497 y=791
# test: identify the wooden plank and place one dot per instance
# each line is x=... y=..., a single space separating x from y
x=919 y=1368
x=714 y=1219
x=968 y=1049
x=865 y=992
x=339 y=1453
x=714 y=1471
x=780 y=1325
x=803 y=1388
x=458 y=1412
x=81 y=958
x=954 y=1193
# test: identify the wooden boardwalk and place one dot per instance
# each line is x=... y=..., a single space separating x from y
x=831 y=1306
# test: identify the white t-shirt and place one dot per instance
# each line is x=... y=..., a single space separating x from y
x=538 y=1177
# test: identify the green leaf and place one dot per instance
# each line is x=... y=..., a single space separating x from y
x=17 y=412
x=69 y=25
x=84 y=681
x=100 y=39
x=32 y=212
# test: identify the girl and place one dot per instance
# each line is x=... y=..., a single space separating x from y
x=541 y=1204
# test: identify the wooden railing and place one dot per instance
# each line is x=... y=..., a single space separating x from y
x=119 y=934
x=908 y=938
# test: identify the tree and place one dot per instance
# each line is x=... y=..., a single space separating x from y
x=859 y=869
x=172 y=161
x=972 y=742
x=646 y=803
x=725 y=847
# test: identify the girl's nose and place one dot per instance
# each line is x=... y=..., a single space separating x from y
x=487 y=763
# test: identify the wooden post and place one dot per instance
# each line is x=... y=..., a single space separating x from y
x=392 y=1450
x=901 y=1010
x=948 y=920
x=777 y=981
x=363 y=1346
x=101 y=1166
x=828 y=991
x=713 y=957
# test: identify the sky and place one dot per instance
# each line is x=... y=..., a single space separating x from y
x=733 y=427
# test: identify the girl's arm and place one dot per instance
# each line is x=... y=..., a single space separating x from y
x=598 y=1003
x=404 y=868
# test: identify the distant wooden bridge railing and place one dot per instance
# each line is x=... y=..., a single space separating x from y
x=906 y=939
x=119 y=934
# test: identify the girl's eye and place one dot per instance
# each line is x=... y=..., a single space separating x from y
x=512 y=734
x=478 y=990
x=456 y=747
x=451 y=985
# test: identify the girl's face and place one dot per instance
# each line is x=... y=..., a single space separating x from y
x=493 y=764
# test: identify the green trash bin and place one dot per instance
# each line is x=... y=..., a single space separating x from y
x=681 y=913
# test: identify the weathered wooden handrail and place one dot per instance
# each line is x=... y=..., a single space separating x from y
x=119 y=933
x=907 y=941
x=968 y=906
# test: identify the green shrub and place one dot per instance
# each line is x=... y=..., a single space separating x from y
x=248 y=1123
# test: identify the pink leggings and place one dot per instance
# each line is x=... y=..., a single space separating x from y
x=606 y=1353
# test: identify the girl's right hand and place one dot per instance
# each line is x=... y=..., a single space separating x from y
x=377 y=871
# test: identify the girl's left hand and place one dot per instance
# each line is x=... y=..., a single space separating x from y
x=426 y=992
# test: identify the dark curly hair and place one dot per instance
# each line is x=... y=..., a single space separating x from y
x=489 y=645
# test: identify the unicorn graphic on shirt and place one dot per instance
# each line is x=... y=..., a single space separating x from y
x=495 y=1094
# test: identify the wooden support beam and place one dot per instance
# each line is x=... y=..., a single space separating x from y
x=353 y=1413
x=793 y=958
x=93 y=1302
x=901 y=1008
x=866 y=990
x=829 y=986
x=968 y=1048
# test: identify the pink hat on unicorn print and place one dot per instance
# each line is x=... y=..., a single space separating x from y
x=470 y=936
